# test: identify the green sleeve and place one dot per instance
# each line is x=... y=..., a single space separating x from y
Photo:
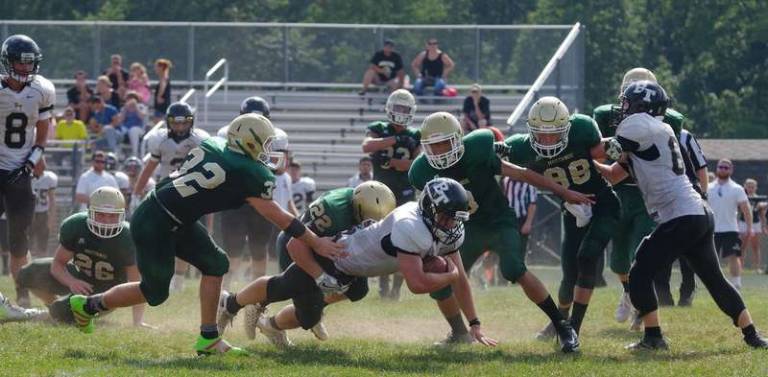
x=604 y=115
x=419 y=172
x=478 y=149
x=586 y=130
x=259 y=181
x=68 y=232
x=375 y=129
x=518 y=144
x=675 y=120
x=126 y=251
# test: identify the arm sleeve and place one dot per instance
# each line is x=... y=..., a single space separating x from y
x=409 y=238
x=742 y=195
x=54 y=180
x=67 y=235
x=81 y=187
x=48 y=99
x=694 y=150
x=259 y=182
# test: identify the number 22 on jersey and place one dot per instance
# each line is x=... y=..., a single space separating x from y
x=183 y=178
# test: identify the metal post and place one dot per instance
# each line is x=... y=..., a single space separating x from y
x=226 y=81
x=579 y=71
x=75 y=171
x=380 y=32
x=286 y=71
x=477 y=54
x=190 y=54
x=96 y=48
x=5 y=30
x=558 y=79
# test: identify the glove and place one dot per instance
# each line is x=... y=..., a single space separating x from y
x=20 y=173
x=329 y=285
x=613 y=149
x=582 y=213
x=381 y=158
x=406 y=141
x=502 y=149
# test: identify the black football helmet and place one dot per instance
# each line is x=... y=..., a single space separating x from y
x=110 y=162
x=255 y=105
x=444 y=207
x=20 y=48
x=644 y=97
x=180 y=119
x=132 y=166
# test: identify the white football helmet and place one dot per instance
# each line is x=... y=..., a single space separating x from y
x=636 y=74
x=439 y=128
x=401 y=107
x=106 y=200
x=548 y=125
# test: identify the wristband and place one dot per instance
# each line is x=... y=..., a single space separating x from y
x=295 y=229
x=35 y=155
x=474 y=322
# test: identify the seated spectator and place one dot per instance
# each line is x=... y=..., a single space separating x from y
x=386 y=68
x=92 y=179
x=69 y=128
x=132 y=124
x=103 y=125
x=162 y=94
x=364 y=172
x=77 y=96
x=105 y=91
x=139 y=82
x=118 y=76
x=476 y=110
x=432 y=67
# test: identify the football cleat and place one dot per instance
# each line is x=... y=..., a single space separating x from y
x=453 y=339
x=224 y=318
x=567 y=337
x=252 y=315
x=277 y=337
x=624 y=310
x=637 y=322
x=217 y=346
x=319 y=331
x=83 y=320
x=14 y=313
x=756 y=341
x=547 y=333
x=649 y=343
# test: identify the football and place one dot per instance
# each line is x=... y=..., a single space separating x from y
x=435 y=264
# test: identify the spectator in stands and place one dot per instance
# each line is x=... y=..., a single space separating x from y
x=139 y=82
x=92 y=179
x=364 y=172
x=476 y=110
x=751 y=240
x=45 y=218
x=104 y=125
x=132 y=124
x=431 y=68
x=69 y=128
x=386 y=68
x=77 y=96
x=162 y=95
x=105 y=91
x=118 y=76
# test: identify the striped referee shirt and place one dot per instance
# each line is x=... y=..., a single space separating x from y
x=520 y=195
x=693 y=157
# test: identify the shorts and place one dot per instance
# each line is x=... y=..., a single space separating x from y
x=246 y=226
x=18 y=204
x=757 y=228
x=728 y=244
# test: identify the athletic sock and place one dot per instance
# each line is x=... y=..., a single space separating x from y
x=749 y=331
x=653 y=332
x=565 y=312
x=273 y=323
x=232 y=306
x=209 y=331
x=577 y=315
x=457 y=325
x=550 y=309
x=625 y=284
x=95 y=304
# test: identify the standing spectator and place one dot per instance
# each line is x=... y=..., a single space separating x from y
x=118 y=76
x=78 y=95
x=727 y=198
x=303 y=188
x=162 y=96
x=93 y=178
x=432 y=67
x=70 y=128
x=105 y=91
x=139 y=82
x=45 y=218
x=132 y=124
x=364 y=172
x=751 y=240
x=103 y=124
x=476 y=110
x=386 y=69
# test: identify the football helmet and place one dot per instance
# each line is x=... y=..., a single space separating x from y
x=20 y=48
x=106 y=201
x=401 y=107
x=132 y=166
x=110 y=162
x=256 y=105
x=372 y=200
x=180 y=119
x=254 y=136
x=444 y=206
x=548 y=124
x=441 y=136
x=636 y=74
x=644 y=97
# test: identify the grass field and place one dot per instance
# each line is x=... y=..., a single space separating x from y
x=373 y=338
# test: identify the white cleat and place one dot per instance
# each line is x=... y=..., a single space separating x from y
x=277 y=337
x=224 y=318
x=252 y=315
x=625 y=308
x=14 y=313
x=320 y=332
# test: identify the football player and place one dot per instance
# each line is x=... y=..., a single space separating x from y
x=26 y=109
x=471 y=160
x=168 y=147
x=647 y=148
x=95 y=254
x=562 y=147
x=132 y=168
x=303 y=188
x=398 y=242
x=216 y=176
x=393 y=146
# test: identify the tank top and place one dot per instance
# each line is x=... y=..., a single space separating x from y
x=432 y=68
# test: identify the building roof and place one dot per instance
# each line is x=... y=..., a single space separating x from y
x=735 y=149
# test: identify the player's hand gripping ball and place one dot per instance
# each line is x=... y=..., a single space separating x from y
x=435 y=264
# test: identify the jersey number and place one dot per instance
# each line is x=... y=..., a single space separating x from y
x=320 y=219
x=404 y=153
x=677 y=159
x=101 y=270
x=184 y=180
x=15 y=130
x=578 y=171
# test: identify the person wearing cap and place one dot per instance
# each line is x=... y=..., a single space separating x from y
x=386 y=68
x=476 y=110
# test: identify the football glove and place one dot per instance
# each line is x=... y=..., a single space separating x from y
x=329 y=285
x=613 y=149
x=502 y=149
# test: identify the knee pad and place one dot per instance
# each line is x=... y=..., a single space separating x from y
x=442 y=294
x=309 y=309
x=290 y=284
x=357 y=290
x=217 y=266
x=157 y=292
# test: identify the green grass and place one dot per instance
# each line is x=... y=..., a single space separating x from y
x=373 y=338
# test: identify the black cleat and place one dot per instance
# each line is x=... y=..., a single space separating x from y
x=686 y=301
x=756 y=341
x=567 y=337
x=649 y=343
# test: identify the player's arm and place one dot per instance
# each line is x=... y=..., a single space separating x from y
x=373 y=143
x=746 y=211
x=402 y=164
x=703 y=175
x=146 y=173
x=463 y=293
x=294 y=228
x=419 y=281
x=614 y=172
x=60 y=273
x=526 y=175
x=528 y=224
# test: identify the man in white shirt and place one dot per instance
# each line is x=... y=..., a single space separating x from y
x=727 y=198
x=92 y=179
x=364 y=173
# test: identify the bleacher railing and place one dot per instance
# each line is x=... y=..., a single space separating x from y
x=65 y=158
x=222 y=63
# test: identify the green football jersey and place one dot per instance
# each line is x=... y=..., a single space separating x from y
x=573 y=168
x=397 y=181
x=99 y=261
x=330 y=213
x=476 y=171
x=212 y=179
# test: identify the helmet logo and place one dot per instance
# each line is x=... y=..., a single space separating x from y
x=437 y=192
x=641 y=87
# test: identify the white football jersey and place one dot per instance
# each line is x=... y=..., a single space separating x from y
x=282 y=192
x=123 y=182
x=41 y=186
x=657 y=165
x=303 y=191
x=19 y=114
x=373 y=250
x=222 y=132
x=171 y=154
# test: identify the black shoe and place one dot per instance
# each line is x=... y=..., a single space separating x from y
x=756 y=341
x=567 y=337
x=648 y=343
x=685 y=301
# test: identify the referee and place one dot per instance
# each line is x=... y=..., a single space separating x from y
x=522 y=199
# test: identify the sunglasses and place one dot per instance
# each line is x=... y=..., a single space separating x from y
x=432 y=43
x=99 y=161
x=724 y=167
